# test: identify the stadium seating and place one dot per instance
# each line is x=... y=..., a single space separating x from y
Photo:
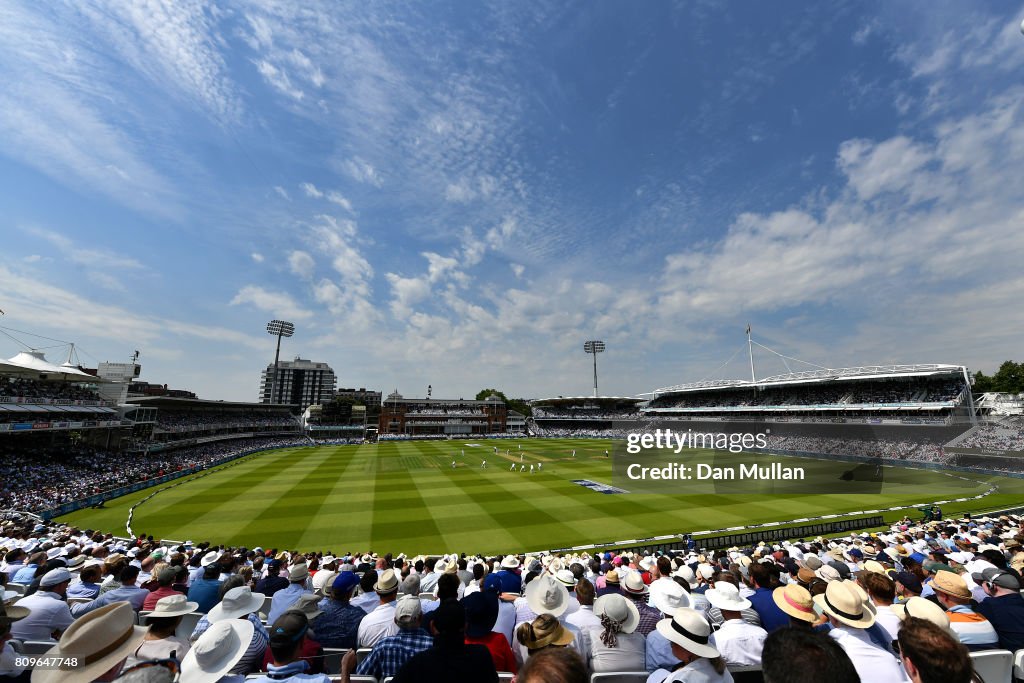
x=994 y=666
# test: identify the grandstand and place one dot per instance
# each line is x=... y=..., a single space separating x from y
x=584 y=416
x=439 y=417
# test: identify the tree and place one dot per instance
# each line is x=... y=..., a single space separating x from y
x=982 y=383
x=1009 y=378
x=517 y=404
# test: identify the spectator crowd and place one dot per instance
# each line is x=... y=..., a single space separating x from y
x=911 y=603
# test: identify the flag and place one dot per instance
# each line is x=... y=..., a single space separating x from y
x=748 y=328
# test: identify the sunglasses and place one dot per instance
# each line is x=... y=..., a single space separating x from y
x=172 y=665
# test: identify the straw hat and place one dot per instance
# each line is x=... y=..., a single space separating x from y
x=566 y=578
x=795 y=600
x=634 y=584
x=542 y=632
x=237 y=602
x=727 y=596
x=216 y=651
x=612 y=577
x=618 y=609
x=844 y=604
x=922 y=608
x=545 y=595
x=689 y=630
x=951 y=584
x=875 y=567
x=93 y=645
x=509 y=562
x=209 y=558
x=668 y=596
x=12 y=613
x=387 y=583
x=173 y=606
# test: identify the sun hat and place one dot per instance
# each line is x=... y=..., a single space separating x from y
x=298 y=573
x=841 y=602
x=481 y=613
x=805 y=575
x=922 y=608
x=216 y=651
x=173 y=606
x=386 y=583
x=668 y=596
x=237 y=602
x=509 y=562
x=688 y=629
x=686 y=574
x=634 y=584
x=618 y=609
x=54 y=577
x=566 y=578
x=92 y=645
x=12 y=613
x=951 y=584
x=343 y=583
x=812 y=562
x=327 y=559
x=544 y=632
x=612 y=577
x=726 y=596
x=307 y=604
x=828 y=573
x=874 y=567
x=545 y=595
x=796 y=601
x=210 y=558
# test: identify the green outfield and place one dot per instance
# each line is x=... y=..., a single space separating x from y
x=406 y=497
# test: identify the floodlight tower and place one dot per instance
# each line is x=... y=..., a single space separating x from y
x=280 y=328
x=595 y=347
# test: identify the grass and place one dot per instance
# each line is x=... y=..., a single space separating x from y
x=406 y=497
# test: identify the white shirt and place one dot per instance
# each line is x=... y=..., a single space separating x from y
x=584 y=618
x=697 y=671
x=629 y=654
x=367 y=601
x=871 y=662
x=889 y=622
x=7 y=658
x=320 y=579
x=49 y=613
x=378 y=624
x=739 y=643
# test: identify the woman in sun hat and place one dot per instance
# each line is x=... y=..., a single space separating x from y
x=796 y=601
x=544 y=631
x=699 y=661
x=615 y=645
x=163 y=621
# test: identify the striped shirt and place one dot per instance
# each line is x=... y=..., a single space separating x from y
x=973 y=630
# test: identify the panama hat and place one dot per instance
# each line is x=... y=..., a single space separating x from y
x=237 y=602
x=688 y=629
x=209 y=558
x=534 y=637
x=828 y=573
x=951 y=584
x=634 y=584
x=12 y=613
x=795 y=600
x=509 y=562
x=874 y=567
x=922 y=608
x=618 y=609
x=668 y=596
x=386 y=583
x=216 y=651
x=726 y=596
x=612 y=577
x=173 y=606
x=93 y=645
x=545 y=595
x=686 y=574
x=566 y=578
x=844 y=604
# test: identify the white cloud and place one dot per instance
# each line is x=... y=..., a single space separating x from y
x=335 y=197
x=301 y=264
x=518 y=269
x=311 y=190
x=90 y=257
x=276 y=303
x=278 y=79
x=257 y=257
x=106 y=281
x=281 y=191
x=361 y=170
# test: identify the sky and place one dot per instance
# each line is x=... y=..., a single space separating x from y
x=461 y=193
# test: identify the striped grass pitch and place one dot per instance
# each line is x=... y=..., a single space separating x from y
x=406 y=497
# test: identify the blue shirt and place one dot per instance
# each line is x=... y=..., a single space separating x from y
x=83 y=590
x=26 y=574
x=392 y=652
x=283 y=599
x=294 y=671
x=338 y=626
x=771 y=616
x=1006 y=613
x=659 y=652
x=206 y=592
x=133 y=595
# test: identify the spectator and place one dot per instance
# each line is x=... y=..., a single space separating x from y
x=10 y=670
x=796 y=655
x=543 y=632
x=126 y=592
x=368 y=599
x=1004 y=606
x=283 y=599
x=554 y=665
x=165 y=588
x=86 y=586
x=738 y=642
x=931 y=654
x=636 y=590
x=392 y=652
x=481 y=615
x=616 y=645
x=973 y=630
x=206 y=590
x=689 y=634
x=772 y=617
x=511 y=581
x=326 y=573
x=338 y=626
x=850 y=618
x=882 y=591
x=48 y=615
x=160 y=641
x=273 y=581
x=95 y=647
x=239 y=603
x=584 y=617
x=217 y=652
x=450 y=658
x=380 y=623
x=287 y=637
x=796 y=602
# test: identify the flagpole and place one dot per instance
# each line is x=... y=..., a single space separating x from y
x=750 y=347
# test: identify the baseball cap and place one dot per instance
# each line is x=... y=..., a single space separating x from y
x=344 y=582
x=999 y=577
x=290 y=627
x=408 y=610
x=911 y=582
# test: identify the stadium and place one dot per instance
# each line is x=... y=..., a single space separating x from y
x=140 y=466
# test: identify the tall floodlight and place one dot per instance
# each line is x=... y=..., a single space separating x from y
x=280 y=328
x=594 y=347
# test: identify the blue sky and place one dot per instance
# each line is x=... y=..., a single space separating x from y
x=461 y=193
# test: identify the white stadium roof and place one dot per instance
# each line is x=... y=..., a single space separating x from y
x=868 y=372
x=35 y=361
